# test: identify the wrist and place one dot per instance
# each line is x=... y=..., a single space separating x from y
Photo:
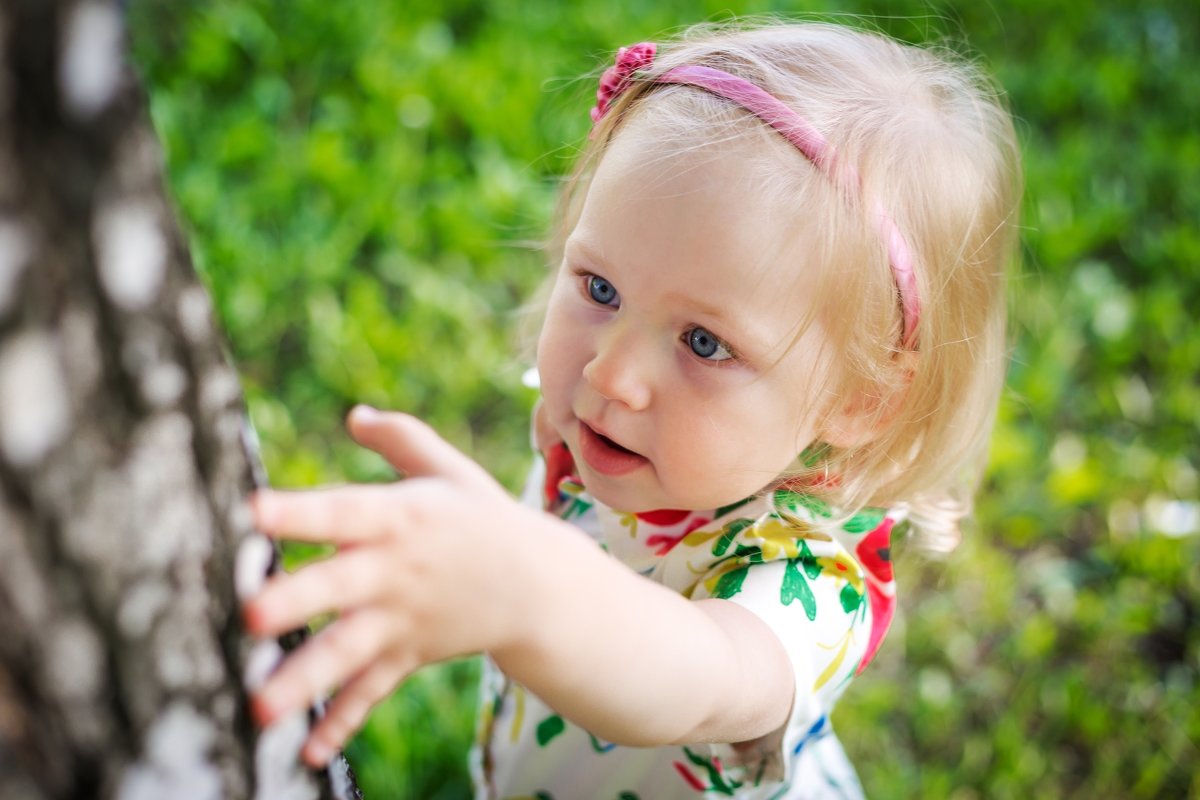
x=548 y=567
x=524 y=572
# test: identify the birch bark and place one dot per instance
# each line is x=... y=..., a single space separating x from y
x=124 y=458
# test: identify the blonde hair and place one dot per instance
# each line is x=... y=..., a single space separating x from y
x=934 y=145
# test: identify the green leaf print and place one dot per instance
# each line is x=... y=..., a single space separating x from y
x=577 y=509
x=723 y=510
x=548 y=728
x=866 y=520
x=794 y=501
x=795 y=587
x=811 y=567
x=850 y=598
x=628 y=796
x=751 y=555
x=599 y=746
x=716 y=778
x=730 y=583
x=729 y=534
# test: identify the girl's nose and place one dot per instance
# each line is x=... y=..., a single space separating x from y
x=620 y=369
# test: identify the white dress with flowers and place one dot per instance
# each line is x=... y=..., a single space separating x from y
x=826 y=590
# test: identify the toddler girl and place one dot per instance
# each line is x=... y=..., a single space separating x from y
x=776 y=331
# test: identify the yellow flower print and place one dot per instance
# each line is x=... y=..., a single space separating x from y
x=843 y=645
x=777 y=538
x=519 y=714
x=844 y=567
x=702 y=536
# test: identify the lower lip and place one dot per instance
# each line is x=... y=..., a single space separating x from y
x=603 y=457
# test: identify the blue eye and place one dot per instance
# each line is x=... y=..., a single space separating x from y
x=707 y=346
x=602 y=291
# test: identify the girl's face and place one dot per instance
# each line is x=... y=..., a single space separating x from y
x=669 y=361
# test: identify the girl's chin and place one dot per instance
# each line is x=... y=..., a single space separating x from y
x=620 y=495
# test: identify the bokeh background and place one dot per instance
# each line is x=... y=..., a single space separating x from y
x=365 y=185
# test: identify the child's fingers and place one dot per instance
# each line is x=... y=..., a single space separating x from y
x=350 y=579
x=348 y=711
x=410 y=445
x=338 y=515
x=322 y=663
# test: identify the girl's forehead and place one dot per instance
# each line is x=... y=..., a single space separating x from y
x=650 y=154
x=722 y=194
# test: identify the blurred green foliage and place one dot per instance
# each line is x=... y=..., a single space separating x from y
x=365 y=184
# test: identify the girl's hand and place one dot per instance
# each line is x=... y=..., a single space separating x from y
x=418 y=577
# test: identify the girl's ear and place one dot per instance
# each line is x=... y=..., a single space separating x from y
x=860 y=419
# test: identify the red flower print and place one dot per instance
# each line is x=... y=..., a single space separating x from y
x=665 y=517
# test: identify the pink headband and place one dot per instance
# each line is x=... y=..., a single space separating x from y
x=807 y=139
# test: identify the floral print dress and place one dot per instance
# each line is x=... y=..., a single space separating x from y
x=822 y=583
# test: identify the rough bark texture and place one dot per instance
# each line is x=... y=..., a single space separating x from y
x=123 y=460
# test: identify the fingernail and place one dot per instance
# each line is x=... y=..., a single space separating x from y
x=251 y=565
x=264 y=657
x=260 y=710
x=317 y=754
x=364 y=412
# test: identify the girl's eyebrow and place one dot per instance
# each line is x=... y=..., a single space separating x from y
x=578 y=246
x=703 y=308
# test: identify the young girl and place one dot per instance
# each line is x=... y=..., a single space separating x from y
x=776 y=330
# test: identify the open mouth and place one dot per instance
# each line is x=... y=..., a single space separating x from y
x=606 y=456
x=613 y=444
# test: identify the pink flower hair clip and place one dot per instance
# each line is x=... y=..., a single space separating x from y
x=618 y=77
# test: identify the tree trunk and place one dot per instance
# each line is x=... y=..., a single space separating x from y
x=124 y=462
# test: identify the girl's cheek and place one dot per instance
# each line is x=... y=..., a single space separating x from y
x=711 y=378
x=550 y=340
x=556 y=363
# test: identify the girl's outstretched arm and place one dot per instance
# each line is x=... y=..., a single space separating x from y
x=446 y=563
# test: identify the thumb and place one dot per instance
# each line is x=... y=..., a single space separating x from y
x=411 y=446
